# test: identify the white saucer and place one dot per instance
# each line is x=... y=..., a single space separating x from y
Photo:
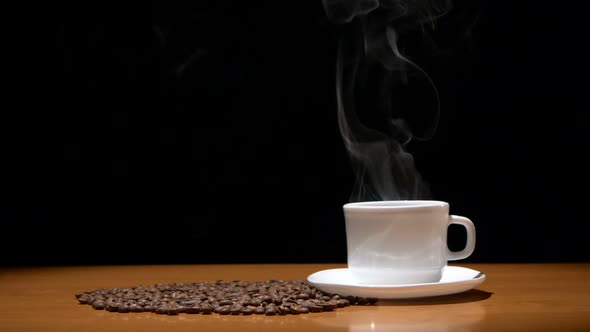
x=454 y=280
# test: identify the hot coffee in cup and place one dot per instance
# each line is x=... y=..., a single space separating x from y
x=401 y=242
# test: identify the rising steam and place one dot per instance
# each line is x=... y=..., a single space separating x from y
x=378 y=89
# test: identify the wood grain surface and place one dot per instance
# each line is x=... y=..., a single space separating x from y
x=515 y=297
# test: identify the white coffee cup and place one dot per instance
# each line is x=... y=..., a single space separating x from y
x=401 y=242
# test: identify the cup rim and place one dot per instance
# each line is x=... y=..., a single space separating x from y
x=394 y=205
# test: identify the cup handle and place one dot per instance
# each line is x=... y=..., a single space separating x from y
x=470 y=245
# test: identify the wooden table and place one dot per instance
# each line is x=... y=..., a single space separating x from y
x=515 y=297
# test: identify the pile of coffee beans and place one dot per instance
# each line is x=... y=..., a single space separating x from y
x=271 y=297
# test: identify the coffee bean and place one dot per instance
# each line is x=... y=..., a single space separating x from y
x=329 y=305
x=276 y=299
x=283 y=310
x=343 y=303
x=123 y=308
x=299 y=309
x=98 y=304
x=315 y=308
x=225 y=302
x=271 y=309
x=248 y=310
x=135 y=308
x=85 y=299
x=172 y=311
x=193 y=310
x=269 y=297
x=206 y=308
x=161 y=310
x=235 y=309
x=223 y=310
x=111 y=307
x=351 y=299
x=372 y=300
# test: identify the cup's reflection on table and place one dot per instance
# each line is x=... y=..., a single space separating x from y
x=404 y=316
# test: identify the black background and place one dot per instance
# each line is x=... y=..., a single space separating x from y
x=207 y=133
